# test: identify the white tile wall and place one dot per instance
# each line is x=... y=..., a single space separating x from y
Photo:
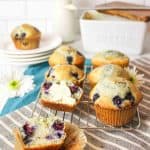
x=3 y=27
x=38 y=12
x=40 y=9
x=12 y=9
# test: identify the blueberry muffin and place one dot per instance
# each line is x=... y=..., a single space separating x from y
x=40 y=133
x=115 y=101
x=66 y=54
x=60 y=95
x=110 y=57
x=26 y=37
x=65 y=72
x=105 y=71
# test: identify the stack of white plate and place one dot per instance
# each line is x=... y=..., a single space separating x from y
x=10 y=55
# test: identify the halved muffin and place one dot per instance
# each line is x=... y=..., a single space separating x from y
x=66 y=54
x=60 y=95
x=40 y=133
x=65 y=72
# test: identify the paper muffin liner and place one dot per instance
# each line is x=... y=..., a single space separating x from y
x=118 y=117
x=75 y=139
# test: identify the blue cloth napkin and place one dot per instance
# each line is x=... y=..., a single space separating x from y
x=38 y=71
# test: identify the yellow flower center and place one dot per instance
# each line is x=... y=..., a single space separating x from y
x=14 y=85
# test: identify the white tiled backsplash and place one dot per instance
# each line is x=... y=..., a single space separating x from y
x=39 y=12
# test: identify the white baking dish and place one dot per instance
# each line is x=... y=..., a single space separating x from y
x=111 y=32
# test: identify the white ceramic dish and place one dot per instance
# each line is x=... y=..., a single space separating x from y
x=24 y=63
x=18 y=56
x=110 y=32
x=27 y=59
x=48 y=43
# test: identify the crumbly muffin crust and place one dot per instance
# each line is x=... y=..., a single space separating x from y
x=109 y=70
x=66 y=54
x=65 y=72
x=110 y=57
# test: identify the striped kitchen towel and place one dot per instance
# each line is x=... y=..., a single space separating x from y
x=136 y=139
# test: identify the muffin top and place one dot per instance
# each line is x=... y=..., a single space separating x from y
x=42 y=131
x=109 y=70
x=66 y=54
x=110 y=57
x=115 y=93
x=110 y=54
x=65 y=72
x=25 y=31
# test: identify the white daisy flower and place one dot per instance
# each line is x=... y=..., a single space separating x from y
x=14 y=83
x=136 y=78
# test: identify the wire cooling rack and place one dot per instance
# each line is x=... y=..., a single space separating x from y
x=84 y=114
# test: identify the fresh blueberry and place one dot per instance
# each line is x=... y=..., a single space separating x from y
x=47 y=85
x=69 y=59
x=28 y=129
x=23 y=35
x=46 y=92
x=16 y=36
x=49 y=137
x=27 y=140
x=129 y=96
x=58 y=125
x=74 y=74
x=74 y=89
x=59 y=134
x=117 y=100
x=95 y=96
